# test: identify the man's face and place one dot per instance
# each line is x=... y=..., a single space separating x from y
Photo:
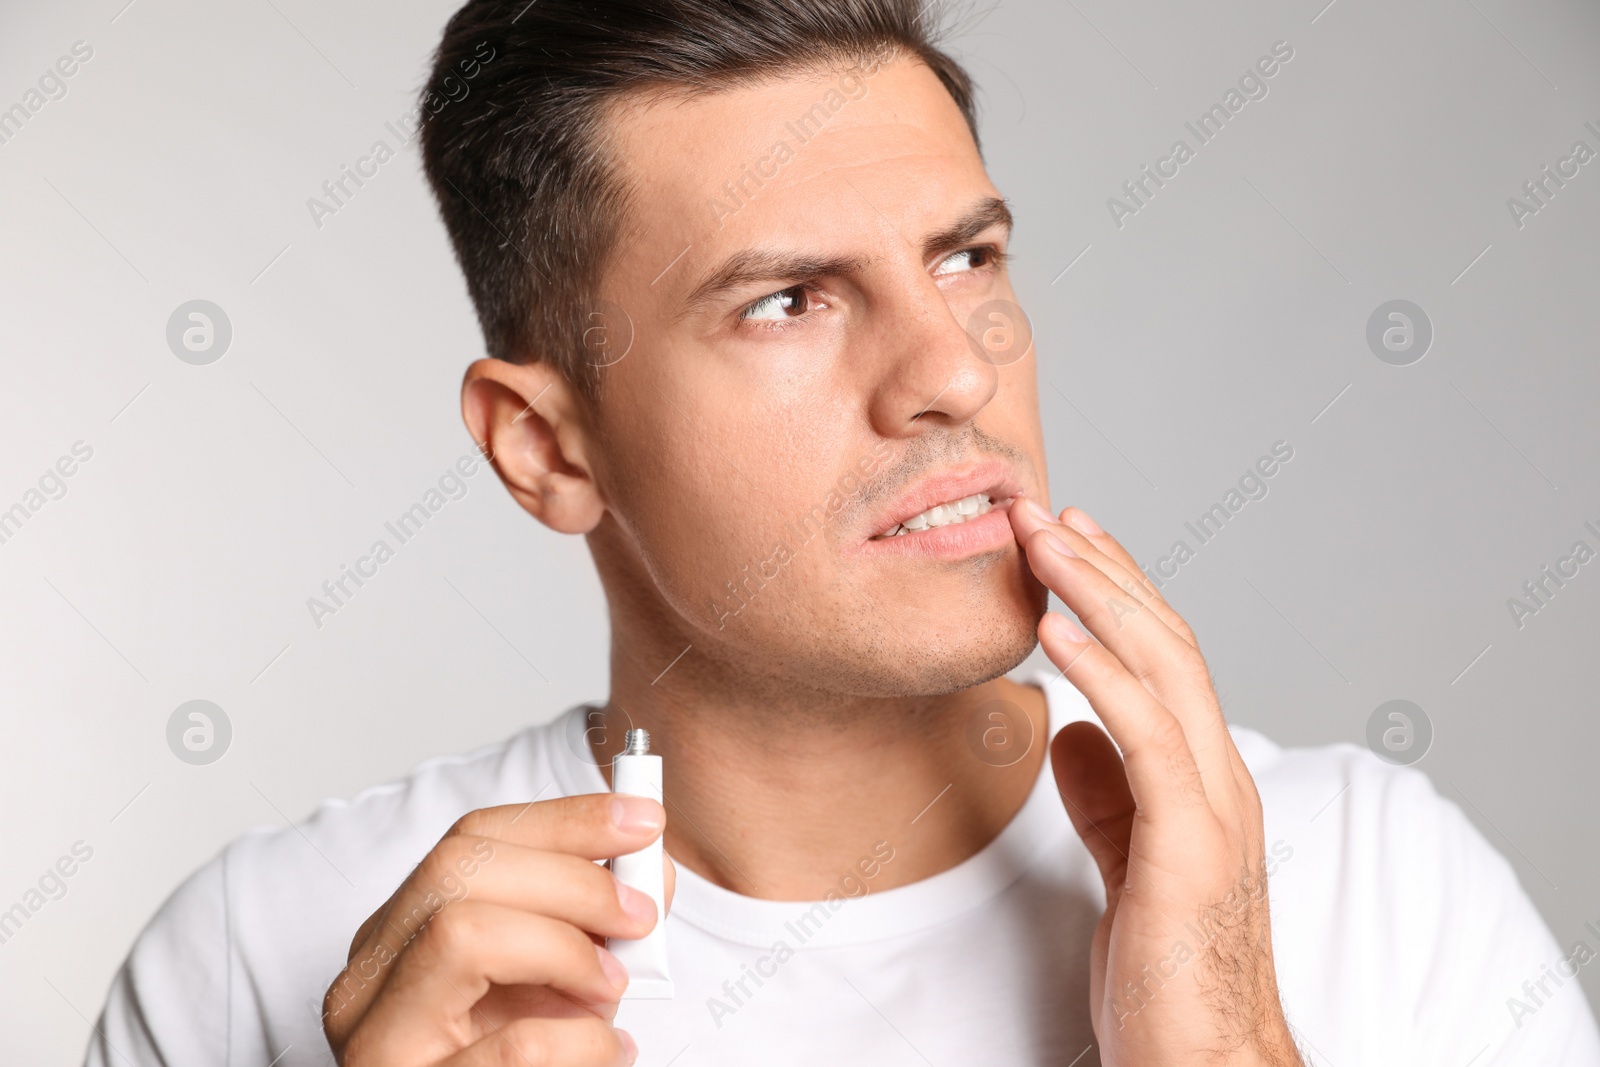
x=815 y=359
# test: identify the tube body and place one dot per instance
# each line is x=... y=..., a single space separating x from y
x=646 y=958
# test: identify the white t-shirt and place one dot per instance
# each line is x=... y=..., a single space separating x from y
x=1399 y=933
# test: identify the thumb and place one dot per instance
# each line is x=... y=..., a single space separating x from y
x=1094 y=787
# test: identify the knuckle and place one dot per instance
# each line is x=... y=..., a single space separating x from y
x=335 y=1027
x=1192 y=663
x=577 y=949
x=573 y=882
x=1145 y=673
x=472 y=824
x=451 y=932
x=597 y=1042
x=1252 y=803
x=521 y=1043
x=453 y=858
x=360 y=1049
x=538 y=1043
x=1166 y=734
x=439 y=860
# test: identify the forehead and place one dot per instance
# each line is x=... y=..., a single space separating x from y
x=813 y=159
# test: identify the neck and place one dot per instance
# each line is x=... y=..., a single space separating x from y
x=790 y=799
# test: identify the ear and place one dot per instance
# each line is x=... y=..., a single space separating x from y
x=532 y=424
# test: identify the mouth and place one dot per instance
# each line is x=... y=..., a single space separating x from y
x=952 y=514
x=949 y=513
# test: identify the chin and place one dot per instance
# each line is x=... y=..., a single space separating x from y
x=913 y=656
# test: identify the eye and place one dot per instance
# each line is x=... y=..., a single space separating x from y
x=967 y=259
x=786 y=304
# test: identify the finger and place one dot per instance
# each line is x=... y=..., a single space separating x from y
x=595 y=826
x=1161 y=771
x=1167 y=666
x=576 y=1042
x=592 y=826
x=1136 y=595
x=1079 y=520
x=1106 y=552
x=460 y=955
x=557 y=878
x=558 y=886
x=1094 y=785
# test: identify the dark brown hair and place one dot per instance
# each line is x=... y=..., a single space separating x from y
x=514 y=140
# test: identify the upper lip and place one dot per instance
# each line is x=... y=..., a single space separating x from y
x=993 y=478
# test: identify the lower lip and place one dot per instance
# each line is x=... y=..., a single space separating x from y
x=958 y=540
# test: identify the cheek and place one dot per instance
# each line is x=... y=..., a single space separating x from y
x=713 y=501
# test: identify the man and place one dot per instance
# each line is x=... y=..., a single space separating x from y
x=742 y=277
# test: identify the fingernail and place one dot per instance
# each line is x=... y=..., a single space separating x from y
x=1079 y=520
x=635 y=814
x=1059 y=545
x=1065 y=629
x=629 y=1049
x=614 y=971
x=1038 y=509
x=636 y=905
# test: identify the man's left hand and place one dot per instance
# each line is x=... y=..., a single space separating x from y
x=1181 y=967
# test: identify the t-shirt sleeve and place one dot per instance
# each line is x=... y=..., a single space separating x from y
x=1489 y=942
x=169 y=1003
x=1401 y=935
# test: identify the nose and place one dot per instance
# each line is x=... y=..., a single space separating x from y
x=933 y=376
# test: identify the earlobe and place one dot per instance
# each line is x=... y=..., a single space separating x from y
x=530 y=422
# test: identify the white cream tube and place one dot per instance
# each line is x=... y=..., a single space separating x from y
x=635 y=771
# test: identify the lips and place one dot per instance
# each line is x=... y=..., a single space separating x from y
x=955 y=513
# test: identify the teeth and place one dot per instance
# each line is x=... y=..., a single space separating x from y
x=968 y=507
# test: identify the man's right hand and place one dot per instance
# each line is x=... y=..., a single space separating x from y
x=492 y=951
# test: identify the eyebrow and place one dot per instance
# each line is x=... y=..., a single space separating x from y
x=753 y=265
x=988 y=212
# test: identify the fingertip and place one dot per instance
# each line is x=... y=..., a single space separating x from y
x=612 y=968
x=637 y=906
x=637 y=815
x=630 y=1050
x=1079 y=520
x=1037 y=510
x=1061 y=628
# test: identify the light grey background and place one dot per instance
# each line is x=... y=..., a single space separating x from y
x=1226 y=315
